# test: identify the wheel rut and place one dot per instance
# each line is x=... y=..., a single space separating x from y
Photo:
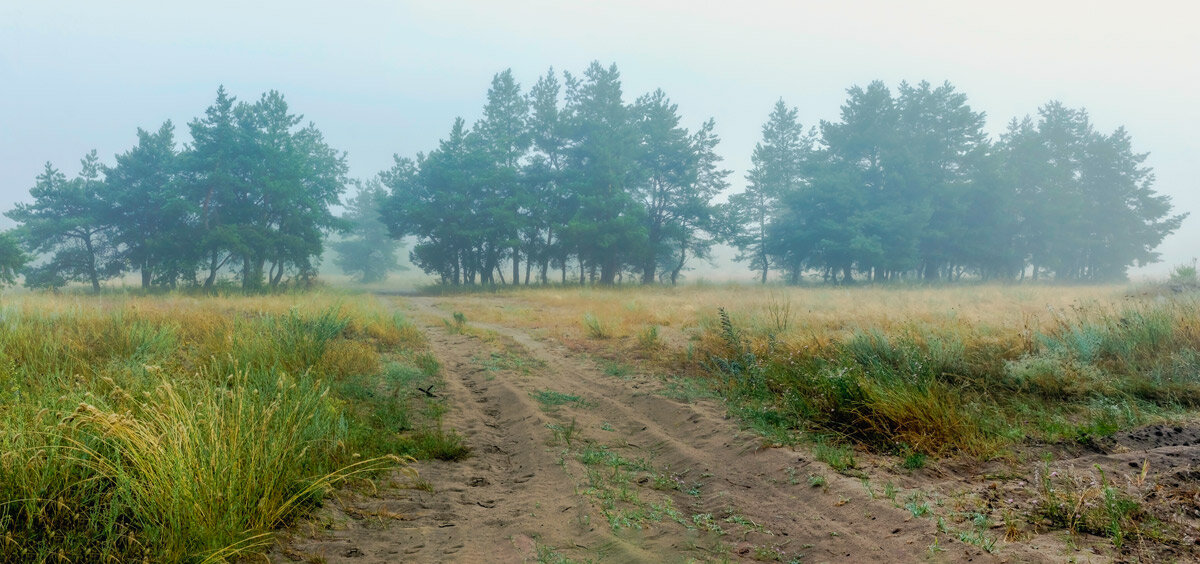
x=569 y=461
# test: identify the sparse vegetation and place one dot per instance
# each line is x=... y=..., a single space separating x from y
x=551 y=399
x=596 y=328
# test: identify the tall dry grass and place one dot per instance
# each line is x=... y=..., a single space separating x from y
x=966 y=369
x=172 y=429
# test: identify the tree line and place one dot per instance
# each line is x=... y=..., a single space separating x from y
x=568 y=180
x=251 y=194
x=573 y=179
x=908 y=185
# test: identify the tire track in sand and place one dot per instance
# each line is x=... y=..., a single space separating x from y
x=521 y=492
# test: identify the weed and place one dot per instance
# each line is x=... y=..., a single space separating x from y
x=436 y=444
x=779 y=312
x=563 y=434
x=648 y=339
x=1089 y=503
x=766 y=553
x=131 y=413
x=817 y=481
x=838 y=457
x=551 y=399
x=918 y=509
x=978 y=538
x=706 y=522
x=459 y=324
x=746 y=522
x=596 y=328
x=617 y=370
x=890 y=491
x=914 y=460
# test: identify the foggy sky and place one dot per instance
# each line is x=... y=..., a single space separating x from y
x=390 y=77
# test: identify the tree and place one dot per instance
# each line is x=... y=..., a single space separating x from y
x=505 y=205
x=12 y=258
x=66 y=220
x=1088 y=210
x=777 y=173
x=369 y=253
x=607 y=228
x=215 y=175
x=550 y=205
x=435 y=199
x=151 y=218
x=679 y=177
x=264 y=189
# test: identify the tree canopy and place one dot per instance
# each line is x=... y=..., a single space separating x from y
x=610 y=186
x=251 y=195
x=571 y=175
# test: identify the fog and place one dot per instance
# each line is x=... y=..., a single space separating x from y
x=384 y=78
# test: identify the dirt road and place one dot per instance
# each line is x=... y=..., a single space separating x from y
x=573 y=459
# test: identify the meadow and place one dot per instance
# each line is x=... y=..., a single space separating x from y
x=179 y=428
x=190 y=429
x=963 y=370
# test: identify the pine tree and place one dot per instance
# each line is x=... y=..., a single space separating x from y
x=150 y=215
x=368 y=252
x=777 y=172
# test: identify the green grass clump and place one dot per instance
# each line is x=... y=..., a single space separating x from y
x=838 y=457
x=595 y=327
x=168 y=429
x=956 y=387
x=551 y=399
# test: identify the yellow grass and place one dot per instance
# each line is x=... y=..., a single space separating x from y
x=828 y=312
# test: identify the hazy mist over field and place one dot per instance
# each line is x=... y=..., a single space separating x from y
x=384 y=78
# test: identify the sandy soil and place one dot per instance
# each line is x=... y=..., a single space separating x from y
x=627 y=474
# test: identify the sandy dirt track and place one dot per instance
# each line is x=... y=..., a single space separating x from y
x=624 y=474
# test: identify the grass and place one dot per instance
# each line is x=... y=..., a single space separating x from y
x=183 y=429
x=838 y=456
x=942 y=370
x=918 y=373
x=551 y=399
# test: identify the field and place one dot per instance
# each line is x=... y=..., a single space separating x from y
x=185 y=429
x=702 y=423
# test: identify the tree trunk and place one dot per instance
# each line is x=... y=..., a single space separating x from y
x=92 y=274
x=679 y=266
x=608 y=271
x=648 y=271
x=517 y=265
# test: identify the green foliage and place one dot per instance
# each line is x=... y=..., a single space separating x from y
x=614 y=187
x=66 y=221
x=1185 y=275
x=596 y=328
x=369 y=252
x=177 y=432
x=551 y=399
x=779 y=160
x=251 y=193
x=149 y=212
x=838 y=457
x=916 y=392
x=12 y=258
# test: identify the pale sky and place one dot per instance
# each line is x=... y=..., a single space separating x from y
x=390 y=77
